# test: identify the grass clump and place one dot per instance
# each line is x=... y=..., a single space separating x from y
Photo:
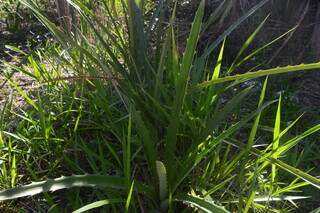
x=147 y=128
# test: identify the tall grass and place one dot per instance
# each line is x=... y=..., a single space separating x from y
x=147 y=128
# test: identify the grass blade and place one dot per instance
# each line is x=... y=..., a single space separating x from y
x=246 y=151
x=260 y=73
x=200 y=204
x=194 y=157
x=147 y=142
x=208 y=50
x=247 y=43
x=129 y=198
x=98 y=204
x=255 y=52
x=215 y=75
x=276 y=139
x=181 y=89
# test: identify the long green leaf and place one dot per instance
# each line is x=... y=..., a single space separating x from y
x=98 y=204
x=215 y=75
x=297 y=172
x=181 y=89
x=222 y=114
x=260 y=73
x=137 y=37
x=294 y=171
x=208 y=50
x=276 y=139
x=129 y=198
x=162 y=176
x=200 y=204
x=258 y=50
x=291 y=143
x=52 y=185
x=147 y=142
x=246 y=44
x=194 y=156
x=244 y=153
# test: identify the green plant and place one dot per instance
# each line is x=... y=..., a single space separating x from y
x=162 y=129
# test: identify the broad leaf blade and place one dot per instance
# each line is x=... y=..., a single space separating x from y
x=52 y=185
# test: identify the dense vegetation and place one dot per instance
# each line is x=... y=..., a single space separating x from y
x=128 y=114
